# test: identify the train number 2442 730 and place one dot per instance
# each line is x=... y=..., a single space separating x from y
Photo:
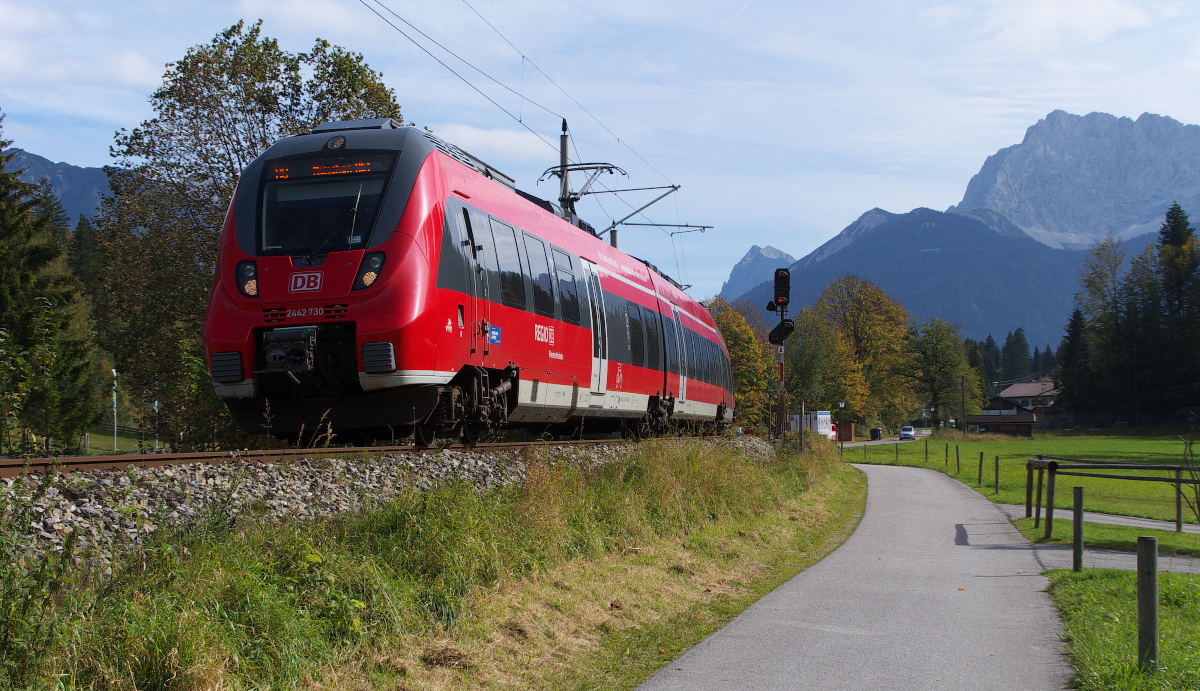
x=306 y=312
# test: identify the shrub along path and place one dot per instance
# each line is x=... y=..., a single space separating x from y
x=935 y=590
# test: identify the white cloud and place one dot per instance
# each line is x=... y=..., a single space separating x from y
x=497 y=146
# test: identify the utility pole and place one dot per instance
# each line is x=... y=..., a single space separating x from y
x=841 y=439
x=114 y=411
x=962 y=383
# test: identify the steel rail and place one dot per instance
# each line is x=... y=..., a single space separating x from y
x=13 y=467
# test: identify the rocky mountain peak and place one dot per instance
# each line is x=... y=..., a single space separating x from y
x=758 y=263
x=1073 y=179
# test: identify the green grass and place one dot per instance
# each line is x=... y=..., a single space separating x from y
x=1099 y=611
x=332 y=603
x=1104 y=536
x=101 y=442
x=1122 y=497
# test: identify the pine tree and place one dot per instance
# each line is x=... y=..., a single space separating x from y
x=991 y=364
x=25 y=248
x=46 y=325
x=1073 y=376
x=1176 y=230
x=1015 y=356
x=84 y=256
x=51 y=209
x=1035 y=363
x=1048 y=360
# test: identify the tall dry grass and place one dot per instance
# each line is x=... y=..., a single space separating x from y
x=234 y=603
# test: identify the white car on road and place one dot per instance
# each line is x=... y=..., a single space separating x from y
x=907 y=432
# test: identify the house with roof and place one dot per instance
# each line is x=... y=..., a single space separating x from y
x=1031 y=394
x=1017 y=410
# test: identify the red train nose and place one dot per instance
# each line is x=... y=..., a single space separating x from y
x=287 y=279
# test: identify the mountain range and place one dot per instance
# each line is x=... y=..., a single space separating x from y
x=79 y=189
x=1009 y=253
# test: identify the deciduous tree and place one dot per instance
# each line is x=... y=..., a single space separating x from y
x=752 y=370
x=875 y=326
x=219 y=107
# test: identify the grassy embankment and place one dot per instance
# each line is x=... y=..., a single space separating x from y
x=1099 y=611
x=1122 y=497
x=579 y=579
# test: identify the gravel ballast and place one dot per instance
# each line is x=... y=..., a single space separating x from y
x=112 y=511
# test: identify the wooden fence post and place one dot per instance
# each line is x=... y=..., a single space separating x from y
x=979 y=482
x=1147 y=600
x=1179 y=500
x=997 y=474
x=957 y=461
x=1037 y=511
x=947 y=454
x=926 y=451
x=1077 y=534
x=1028 y=489
x=1050 y=500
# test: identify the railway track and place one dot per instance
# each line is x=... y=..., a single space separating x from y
x=12 y=467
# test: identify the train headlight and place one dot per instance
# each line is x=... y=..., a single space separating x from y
x=369 y=272
x=247 y=278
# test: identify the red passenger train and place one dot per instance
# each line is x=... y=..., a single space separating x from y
x=376 y=278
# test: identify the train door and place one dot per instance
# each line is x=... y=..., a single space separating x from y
x=684 y=364
x=599 y=335
x=479 y=310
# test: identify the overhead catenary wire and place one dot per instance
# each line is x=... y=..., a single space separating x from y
x=564 y=91
x=453 y=71
x=519 y=94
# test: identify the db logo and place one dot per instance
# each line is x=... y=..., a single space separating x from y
x=545 y=334
x=306 y=282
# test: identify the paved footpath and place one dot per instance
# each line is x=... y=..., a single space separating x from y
x=935 y=590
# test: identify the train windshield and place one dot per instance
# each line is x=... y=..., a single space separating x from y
x=320 y=205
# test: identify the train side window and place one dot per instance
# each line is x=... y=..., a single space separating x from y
x=637 y=338
x=711 y=361
x=672 y=346
x=710 y=366
x=689 y=347
x=539 y=271
x=508 y=257
x=568 y=292
x=709 y=370
x=652 y=342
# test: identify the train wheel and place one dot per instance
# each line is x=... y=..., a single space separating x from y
x=423 y=436
x=468 y=433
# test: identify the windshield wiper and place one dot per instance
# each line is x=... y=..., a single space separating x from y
x=308 y=258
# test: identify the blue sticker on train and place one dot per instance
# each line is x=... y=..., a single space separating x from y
x=493 y=335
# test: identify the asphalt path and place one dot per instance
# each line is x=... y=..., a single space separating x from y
x=934 y=590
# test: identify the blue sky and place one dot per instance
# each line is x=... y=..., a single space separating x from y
x=782 y=121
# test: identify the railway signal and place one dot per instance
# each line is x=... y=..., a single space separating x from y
x=783 y=292
x=780 y=333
